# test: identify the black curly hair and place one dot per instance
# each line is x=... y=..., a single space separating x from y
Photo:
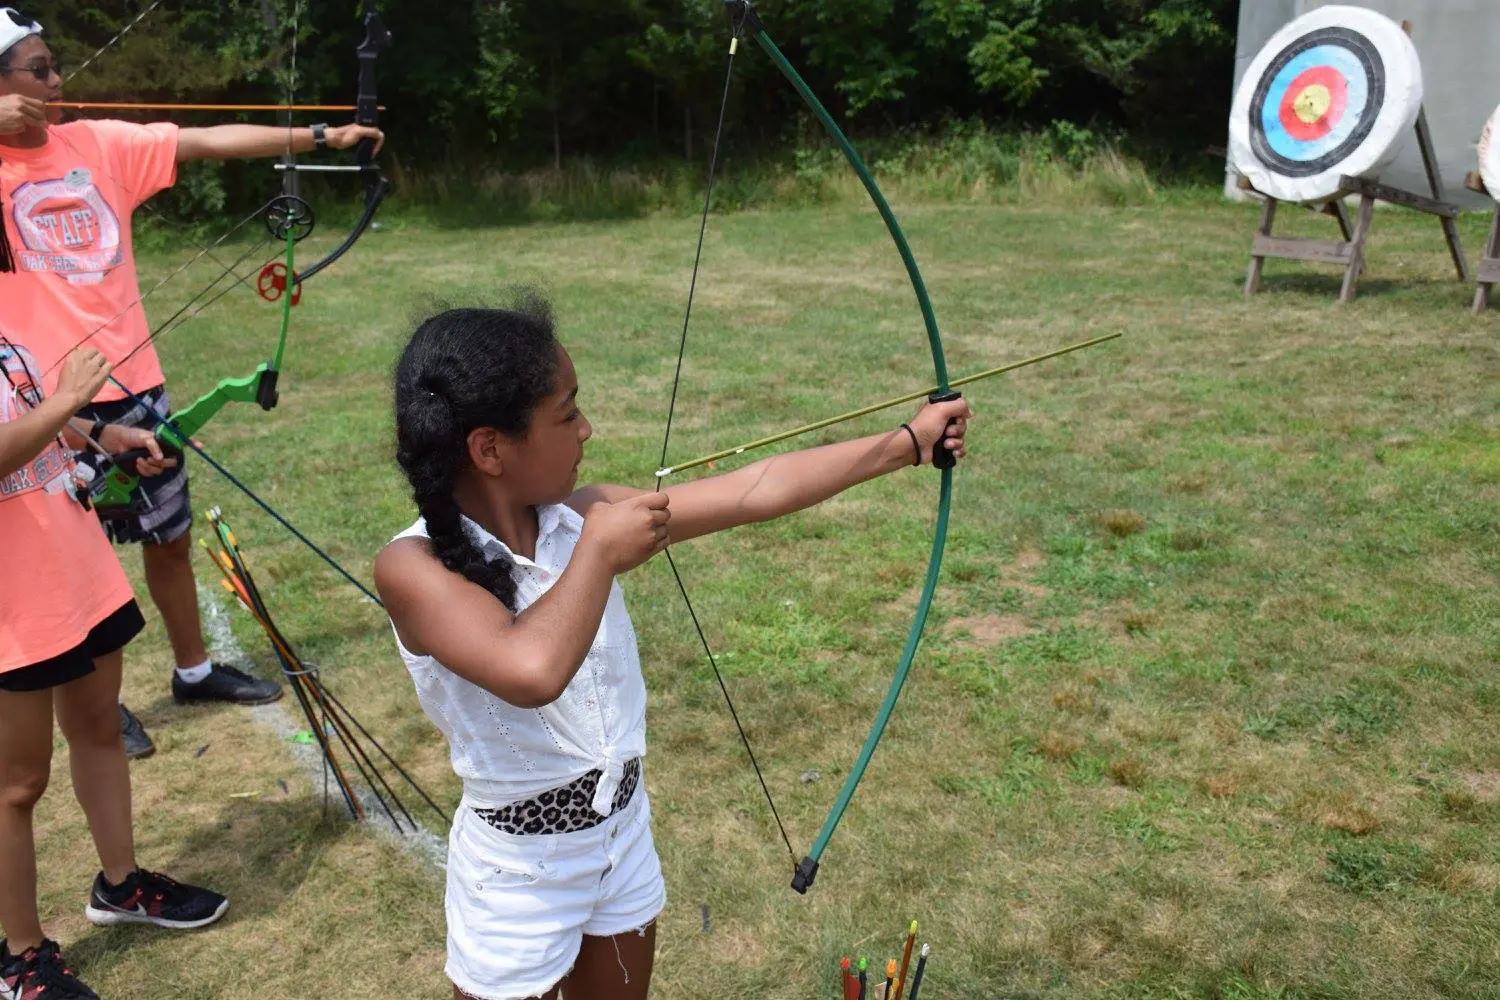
x=466 y=369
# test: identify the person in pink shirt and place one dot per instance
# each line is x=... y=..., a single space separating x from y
x=67 y=614
x=68 y=277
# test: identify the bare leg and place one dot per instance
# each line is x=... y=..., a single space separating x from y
x=88 y=714
x=174 y=591
x=25 y=765
x=613 y=968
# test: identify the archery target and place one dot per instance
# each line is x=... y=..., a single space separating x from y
x=1332 y=93
x=1489 y=155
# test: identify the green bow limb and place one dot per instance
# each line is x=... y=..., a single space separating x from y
x=746 y=19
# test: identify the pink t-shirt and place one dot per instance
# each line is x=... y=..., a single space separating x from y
x=67 y=212
x=60 y=577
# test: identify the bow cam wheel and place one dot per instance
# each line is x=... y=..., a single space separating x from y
x=288 y=215
x=271 y=283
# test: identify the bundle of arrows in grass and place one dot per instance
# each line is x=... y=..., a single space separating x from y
x=855 y=981
x=339 y=735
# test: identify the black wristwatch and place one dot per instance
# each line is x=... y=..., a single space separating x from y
x=320 y=137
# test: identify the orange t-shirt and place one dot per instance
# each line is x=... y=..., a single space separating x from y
x=67 y=212
x=60 y=577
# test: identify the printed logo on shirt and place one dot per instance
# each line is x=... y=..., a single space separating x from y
x=19 y=392
x=67 y=228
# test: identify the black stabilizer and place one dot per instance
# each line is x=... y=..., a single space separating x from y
x=265 y=390
x=942 y=458
x=807 y=871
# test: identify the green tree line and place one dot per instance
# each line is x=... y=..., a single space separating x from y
x=521 y=84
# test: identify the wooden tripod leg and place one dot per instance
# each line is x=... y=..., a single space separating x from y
x=1435 y=185
x=1338 y=211
x=1456 y=248
x=1491 y=252
x=1357 y=248
x=1257 y=262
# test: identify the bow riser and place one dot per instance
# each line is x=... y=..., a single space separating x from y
x=260 y=388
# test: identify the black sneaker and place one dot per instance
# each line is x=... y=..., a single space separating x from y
x=137 y=741
x=39 y=974
x=224 y=683
x=149 y=898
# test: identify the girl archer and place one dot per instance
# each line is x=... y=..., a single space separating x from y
x=507 y=614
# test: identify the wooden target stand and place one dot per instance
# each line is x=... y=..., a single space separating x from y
x=1349 y=252
x=1489 y=266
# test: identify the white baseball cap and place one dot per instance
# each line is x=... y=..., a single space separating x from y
x=15 y=27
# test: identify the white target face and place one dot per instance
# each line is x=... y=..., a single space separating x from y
x=1489 y=155
x=1334 y=92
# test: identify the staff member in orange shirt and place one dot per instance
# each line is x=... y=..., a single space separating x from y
x=68 y=192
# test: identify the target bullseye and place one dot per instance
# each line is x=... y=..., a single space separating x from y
x=1330 y=94
x=1314 y=104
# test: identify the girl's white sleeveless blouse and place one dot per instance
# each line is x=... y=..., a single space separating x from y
x=505 y=754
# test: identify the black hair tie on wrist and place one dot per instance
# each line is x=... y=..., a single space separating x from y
x=914 y=442
x=97 y=431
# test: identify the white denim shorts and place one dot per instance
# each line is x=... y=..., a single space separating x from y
x=518 y=906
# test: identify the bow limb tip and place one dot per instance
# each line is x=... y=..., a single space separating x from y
x=743 y=14
x=807 y=871
x=942 y=458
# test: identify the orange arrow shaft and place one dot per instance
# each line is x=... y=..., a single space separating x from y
x=85 y=106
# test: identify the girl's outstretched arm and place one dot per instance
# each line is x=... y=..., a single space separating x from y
x=776 y=486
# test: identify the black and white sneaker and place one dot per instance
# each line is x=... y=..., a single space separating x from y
x=149 y=898
x=225 y=683
x=138 y=743
x=39 y=974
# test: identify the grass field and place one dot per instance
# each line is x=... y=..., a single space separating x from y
x=1208 y=706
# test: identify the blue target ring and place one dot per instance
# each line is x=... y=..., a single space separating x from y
x=1331 y=59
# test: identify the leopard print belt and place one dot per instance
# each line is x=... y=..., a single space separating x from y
x=566 y=809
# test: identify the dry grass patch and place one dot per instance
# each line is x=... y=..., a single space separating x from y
x=1139 y=621
x=982 y=631
x=1218 y=786
x=1128 y=772
x=1335 y=810
x=1076 y=699
x=1121 y=523
x=1057 y=746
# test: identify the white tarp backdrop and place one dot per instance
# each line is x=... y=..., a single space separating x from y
x=1459 y=42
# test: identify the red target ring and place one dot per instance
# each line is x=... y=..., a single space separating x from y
x=1314 y=103
x=271 y=283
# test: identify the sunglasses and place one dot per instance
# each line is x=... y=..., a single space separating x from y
x=42 y=71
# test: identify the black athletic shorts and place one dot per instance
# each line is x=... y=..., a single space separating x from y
x=106 y=637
